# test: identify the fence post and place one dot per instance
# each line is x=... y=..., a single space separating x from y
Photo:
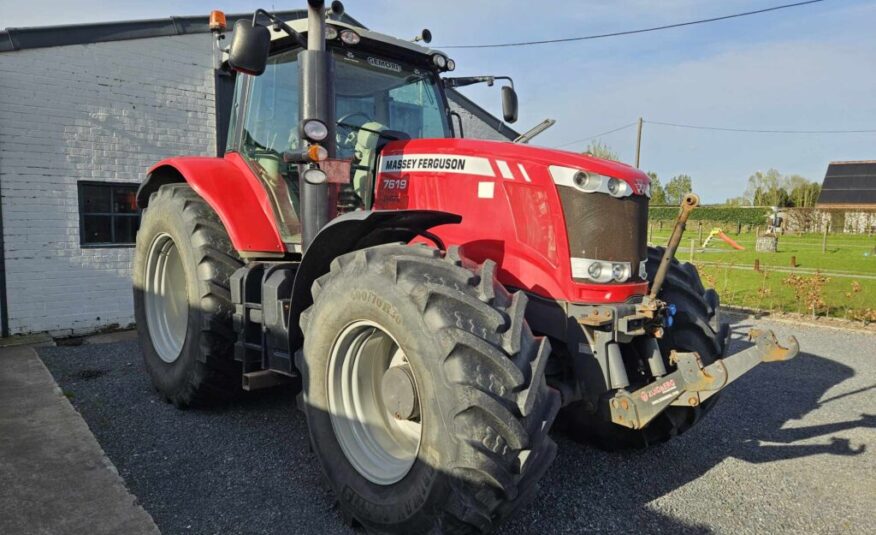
x=691 y=249
x=700 y=237
x=824 y=238
x=651 y=232
x=738 y=228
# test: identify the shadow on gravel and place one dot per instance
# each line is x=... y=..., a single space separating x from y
x=246 y=466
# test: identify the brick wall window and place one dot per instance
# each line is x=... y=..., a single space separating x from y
x=108 y=214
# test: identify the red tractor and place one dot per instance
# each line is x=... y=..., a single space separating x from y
x=440 y=299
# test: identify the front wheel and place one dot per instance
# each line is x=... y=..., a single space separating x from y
x=182 y=302
x=424 y=391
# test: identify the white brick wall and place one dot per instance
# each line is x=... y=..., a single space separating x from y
x=106 y=112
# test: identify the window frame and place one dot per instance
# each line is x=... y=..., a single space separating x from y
x=111 y=186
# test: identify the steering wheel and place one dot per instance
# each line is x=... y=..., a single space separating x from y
x=348 y=138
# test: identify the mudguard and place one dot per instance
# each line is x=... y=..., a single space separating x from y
x=230 y=188
x=350 y=232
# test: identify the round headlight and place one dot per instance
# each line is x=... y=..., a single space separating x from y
x=613 y=186
x=331 y=32
x=350 y=37
x=451 y=65
x=439 y=60
x=315 y=130
x=585 y=181
x=594 y=270
x=315 y=176
x=619 y=272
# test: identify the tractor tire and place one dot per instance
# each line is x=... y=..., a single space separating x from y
x=182 y=301
x=696 y=327
x=469 y=442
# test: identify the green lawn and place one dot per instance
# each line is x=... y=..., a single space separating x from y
x=840 y=282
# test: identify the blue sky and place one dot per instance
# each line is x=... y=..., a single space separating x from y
x=807 y=68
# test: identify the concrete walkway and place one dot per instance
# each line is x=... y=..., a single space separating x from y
x=54 y=476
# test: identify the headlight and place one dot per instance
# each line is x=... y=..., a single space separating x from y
x=620 y=271
x=451 y=65
x=595 y=270
x=589 y=182
x=331 y=32
x=315 y=130
x=350 y=37
x=586 y=181
x=600 y=271
x=439 y=60
x=315 y=176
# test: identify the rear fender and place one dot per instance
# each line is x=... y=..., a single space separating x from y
x=230 y=188
x=351 y=232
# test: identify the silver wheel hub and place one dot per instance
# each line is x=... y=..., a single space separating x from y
x=374 y=403
x=166 y=298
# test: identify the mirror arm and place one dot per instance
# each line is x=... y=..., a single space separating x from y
x=461 y=81
x=280 y=25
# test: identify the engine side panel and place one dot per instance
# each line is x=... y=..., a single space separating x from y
x=232 y=190
x=510 y=207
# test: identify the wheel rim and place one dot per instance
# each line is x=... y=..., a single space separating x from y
x=166 y=298
x=381 y=447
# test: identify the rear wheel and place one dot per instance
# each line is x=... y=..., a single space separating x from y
x=182 y=266
x=696 y=328
x=424 y=391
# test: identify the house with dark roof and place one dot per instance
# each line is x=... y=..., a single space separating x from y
x=849 y=194
x=84 y=110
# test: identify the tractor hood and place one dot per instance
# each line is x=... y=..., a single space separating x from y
x=505 y=158
x=556 y=222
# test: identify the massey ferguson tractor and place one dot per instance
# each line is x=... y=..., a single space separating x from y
x=439 y=300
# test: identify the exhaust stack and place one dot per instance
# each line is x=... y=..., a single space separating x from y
x=316 y=76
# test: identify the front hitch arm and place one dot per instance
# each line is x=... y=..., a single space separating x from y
x=692 y=383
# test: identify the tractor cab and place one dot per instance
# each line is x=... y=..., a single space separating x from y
x=384 y=89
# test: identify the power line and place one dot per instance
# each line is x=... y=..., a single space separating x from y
x=618 y=129
x=641 y=30
x=761 y=131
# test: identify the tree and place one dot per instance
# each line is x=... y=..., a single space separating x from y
x=774 y=189
x=735 y=201
x=677 y=187
x=658 y=196
x=803 y=193
x=601 y=150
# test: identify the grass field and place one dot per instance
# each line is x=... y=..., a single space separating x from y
x=839 y=282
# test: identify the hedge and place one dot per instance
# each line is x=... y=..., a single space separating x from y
x=748 y=215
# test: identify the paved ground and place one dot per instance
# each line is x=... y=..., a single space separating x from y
x=54 y=478
x=788 y=449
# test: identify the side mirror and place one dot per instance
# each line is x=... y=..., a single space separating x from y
x=249 y=47
x=509 y=104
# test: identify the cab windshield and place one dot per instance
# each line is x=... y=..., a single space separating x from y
x=371 y=92
x=380 y=94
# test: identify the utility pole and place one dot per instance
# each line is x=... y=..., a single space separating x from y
x=639 y=142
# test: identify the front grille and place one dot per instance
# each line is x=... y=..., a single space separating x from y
x=602 y=227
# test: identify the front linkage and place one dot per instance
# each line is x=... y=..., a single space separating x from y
x=692 y=382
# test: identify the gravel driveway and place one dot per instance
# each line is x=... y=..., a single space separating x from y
x=788 y=449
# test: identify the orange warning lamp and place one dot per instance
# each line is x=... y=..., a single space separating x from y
x=217 y=21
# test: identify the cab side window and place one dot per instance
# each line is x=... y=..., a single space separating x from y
x=268 y=128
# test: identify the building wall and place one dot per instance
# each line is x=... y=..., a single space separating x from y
x=104 y=112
